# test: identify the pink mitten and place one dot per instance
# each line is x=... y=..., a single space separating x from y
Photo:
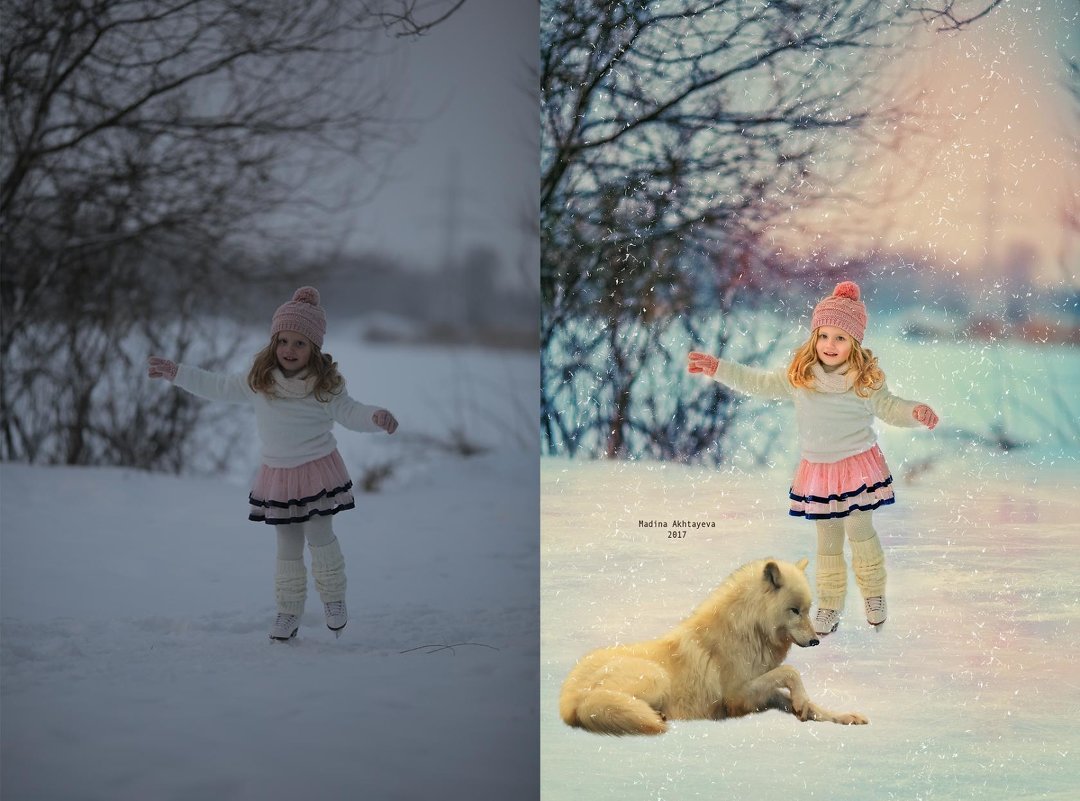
x=703 y=363
x=162 y=368
x=925 y=415
x=384 y=420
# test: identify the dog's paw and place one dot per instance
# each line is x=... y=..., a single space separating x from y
x=801 y=706
x=852 y=719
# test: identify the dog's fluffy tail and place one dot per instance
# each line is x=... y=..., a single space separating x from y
x=610 y=712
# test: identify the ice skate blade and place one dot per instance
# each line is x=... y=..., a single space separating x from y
x=285 y=639
x=337 y=631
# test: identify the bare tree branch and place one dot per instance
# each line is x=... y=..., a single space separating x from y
x=406 y=20
x=950 y=18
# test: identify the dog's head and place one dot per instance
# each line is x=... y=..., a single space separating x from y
x=788 y=594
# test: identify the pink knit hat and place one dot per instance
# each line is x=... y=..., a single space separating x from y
x=302 y=314
x=842 y=309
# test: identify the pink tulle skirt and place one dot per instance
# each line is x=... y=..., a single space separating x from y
x=283 y=495
x=823 y=490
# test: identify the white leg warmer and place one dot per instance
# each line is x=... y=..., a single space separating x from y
x=831 y=569
x=868 y=560
x=328 y=568
x=831 y=581
x=867 y=557
x=290 y=586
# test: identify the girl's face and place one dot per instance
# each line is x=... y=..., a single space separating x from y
x=833 y=346
x=293 y=351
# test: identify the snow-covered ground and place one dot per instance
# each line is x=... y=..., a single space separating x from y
x=135 y=610
x=970 y=686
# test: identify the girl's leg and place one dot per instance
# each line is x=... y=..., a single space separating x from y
x=867 y=557
x=868 y=560
x=290 y=542
x=290 y=580
x=831 y=568
x=327 y=561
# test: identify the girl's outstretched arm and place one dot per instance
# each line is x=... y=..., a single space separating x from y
x=361 y=417
x=751 y=380
x=899 y=412
x=212 y=386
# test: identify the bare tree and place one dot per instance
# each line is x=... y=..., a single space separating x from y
x=675 y=136
x=146 y=146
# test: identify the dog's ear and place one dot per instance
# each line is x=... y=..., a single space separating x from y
x=801 y=564
x=772 y=575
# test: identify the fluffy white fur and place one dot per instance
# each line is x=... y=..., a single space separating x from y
x=725 y=660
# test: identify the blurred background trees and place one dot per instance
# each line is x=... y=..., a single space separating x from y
x=148 y=149
x=676 y=137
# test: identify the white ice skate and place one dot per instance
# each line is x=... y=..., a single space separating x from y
x=336 y=616
x=876 y=610
x=826 y=621
x=285 y=627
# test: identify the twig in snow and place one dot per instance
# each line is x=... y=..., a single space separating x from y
x=450 y=647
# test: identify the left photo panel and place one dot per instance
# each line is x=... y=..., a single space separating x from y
x=269 y=469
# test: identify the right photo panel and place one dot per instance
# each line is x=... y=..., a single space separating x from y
x=810 y=384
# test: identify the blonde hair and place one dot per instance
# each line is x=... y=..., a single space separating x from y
x=328 y=381
x=862 y=364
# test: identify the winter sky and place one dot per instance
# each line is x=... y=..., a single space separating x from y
x=470 y=159
x=988 y=165
x=1009 y=148
x=991 y=159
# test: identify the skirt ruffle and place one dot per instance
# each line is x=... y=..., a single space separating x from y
x=282 y=495
x=824 y=490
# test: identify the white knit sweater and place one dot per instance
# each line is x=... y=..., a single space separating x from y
x=833 y=422
x=293 y=431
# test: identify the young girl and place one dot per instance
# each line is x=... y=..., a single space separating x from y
x=838 y=389
x=298 y=395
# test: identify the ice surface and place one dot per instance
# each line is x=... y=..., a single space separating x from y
x=135 y=658
x=971 y=685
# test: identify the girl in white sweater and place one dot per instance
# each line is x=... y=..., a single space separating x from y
x=838 y=389
x=298 y=394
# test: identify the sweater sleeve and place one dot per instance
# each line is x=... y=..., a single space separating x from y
x=892 y=409
x=213 y=386
x=753 y=380
x=352 y=414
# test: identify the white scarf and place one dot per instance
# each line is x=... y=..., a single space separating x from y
x=299 y=386
x=837 y=381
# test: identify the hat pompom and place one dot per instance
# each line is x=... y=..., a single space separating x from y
x=309 y=294
x=847 y=289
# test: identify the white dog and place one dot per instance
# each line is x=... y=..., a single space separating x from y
x=725 y=660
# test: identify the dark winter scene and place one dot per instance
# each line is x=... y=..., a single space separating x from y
x=710 y=172
x=173 y=171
